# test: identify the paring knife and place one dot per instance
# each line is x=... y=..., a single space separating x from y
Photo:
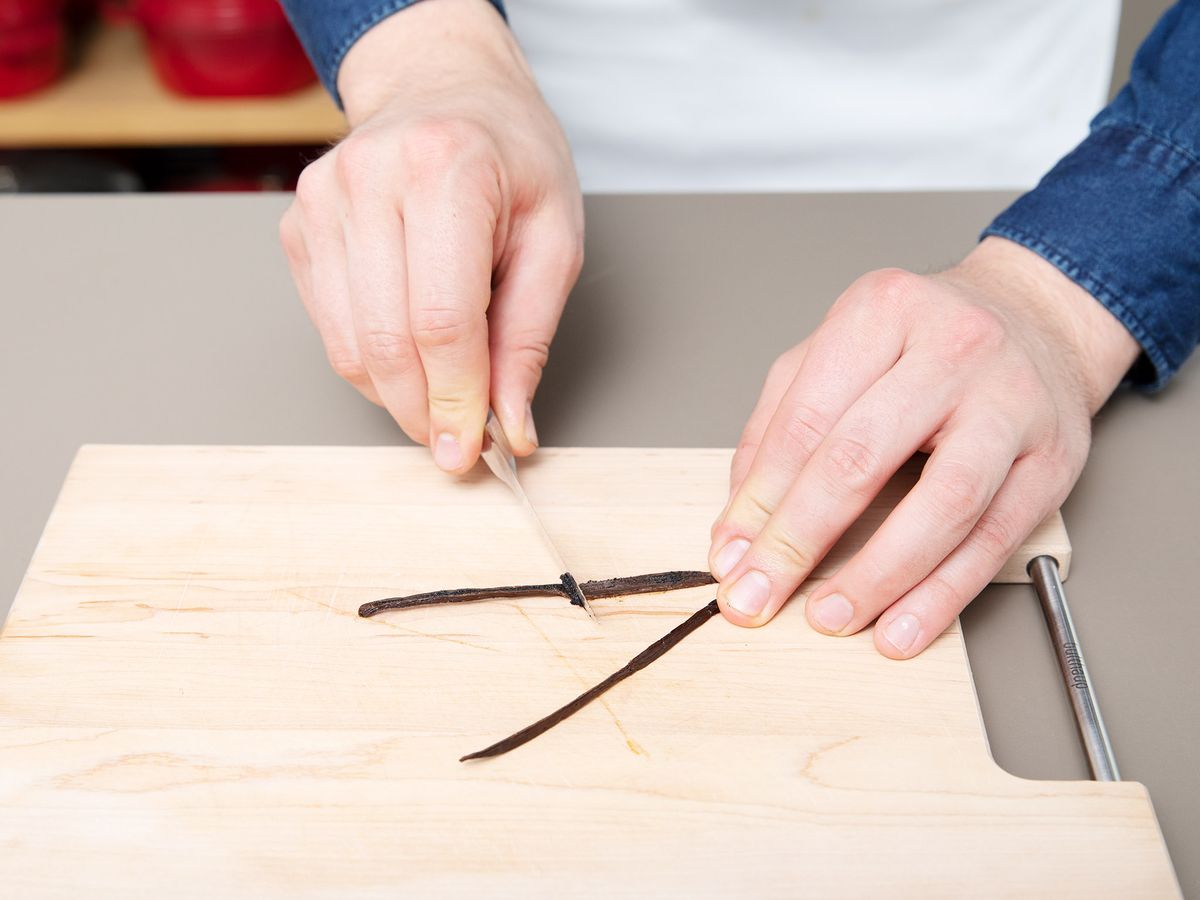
x=497 y=453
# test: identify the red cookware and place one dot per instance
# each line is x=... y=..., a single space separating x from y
x=32 y=45
x=222 y=48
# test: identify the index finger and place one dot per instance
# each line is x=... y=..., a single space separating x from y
x=850 y=467
x=450 y=253
x=849 y=353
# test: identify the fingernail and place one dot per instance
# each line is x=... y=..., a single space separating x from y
x=530 y=431
x=446 y=452
x=749 y=593
x=731 y=554
x=833 y=613
x=902 y=631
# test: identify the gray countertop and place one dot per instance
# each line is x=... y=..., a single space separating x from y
x=168 y=319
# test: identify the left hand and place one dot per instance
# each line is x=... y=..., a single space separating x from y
x=993 y=367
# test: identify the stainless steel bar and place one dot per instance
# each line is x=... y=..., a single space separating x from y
x=1044 y=572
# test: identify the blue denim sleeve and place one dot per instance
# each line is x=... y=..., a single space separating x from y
x=1120 y=214
x=329 y=28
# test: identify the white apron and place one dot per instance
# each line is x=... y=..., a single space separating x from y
x=804 y=95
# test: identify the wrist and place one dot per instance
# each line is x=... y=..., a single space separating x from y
x=1049 y=306
x=423 y=47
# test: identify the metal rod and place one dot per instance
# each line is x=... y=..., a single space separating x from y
x=1044 y=572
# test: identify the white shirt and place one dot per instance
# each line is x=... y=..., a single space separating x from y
x=770 y=95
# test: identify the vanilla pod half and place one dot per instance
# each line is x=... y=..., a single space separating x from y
x=609 y=587
x=639 y=662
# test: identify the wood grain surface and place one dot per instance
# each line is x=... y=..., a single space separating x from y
x=189 y=706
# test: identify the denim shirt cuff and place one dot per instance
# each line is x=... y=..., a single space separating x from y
x=329 y=30
x=1120 y=216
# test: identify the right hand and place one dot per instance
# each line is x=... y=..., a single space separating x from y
x=434 y=247
x=993 y=367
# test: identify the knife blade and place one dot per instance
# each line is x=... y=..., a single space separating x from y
x=498 y=454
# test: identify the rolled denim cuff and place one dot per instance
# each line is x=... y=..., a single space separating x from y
x=1120 y=216
x=329 y=29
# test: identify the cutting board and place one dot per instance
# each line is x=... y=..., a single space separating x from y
x=190 y=706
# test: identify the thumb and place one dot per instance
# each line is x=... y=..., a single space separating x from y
x=526 y=306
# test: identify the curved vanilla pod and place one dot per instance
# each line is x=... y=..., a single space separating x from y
x=639 y=662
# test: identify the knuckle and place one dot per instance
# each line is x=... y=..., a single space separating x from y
x=290 y=237
x=1053 y=458
x=568 y=250
x=943 y=595
x=576 y=253
x=803 y=431
x=560 y=234
x=387 y=352
x=749 y=509
x=957 y=494
x=851 y=465
x=348 y=365
x=1073 y=456
x=438 y=327
x=531 y=352
x=786 y=364
x=745 y=451
x=312 y=190
x=972 y=330
x=356 y=161
x=1067 y=450
x=890 y=291
x=431 y=148
x=1001 y=429
x=452 y=404
x=790 y=553
x=996 y=535
x=1049 y=479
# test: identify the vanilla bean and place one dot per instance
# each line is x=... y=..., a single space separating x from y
x=639 y=662
x=609 y=587
x=654 y=583
x=572 y=590
x=459 y=595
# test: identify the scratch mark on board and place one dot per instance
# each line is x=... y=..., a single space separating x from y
x=633 y=745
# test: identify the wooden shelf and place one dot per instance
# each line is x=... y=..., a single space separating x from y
x=111 y=98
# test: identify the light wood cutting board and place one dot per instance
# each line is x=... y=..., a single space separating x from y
x=190 y=706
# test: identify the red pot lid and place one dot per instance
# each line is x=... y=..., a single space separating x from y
x=208 y=14
x=37 y=38
x=24 y=12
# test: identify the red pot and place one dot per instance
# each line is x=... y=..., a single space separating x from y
x=223 y=48
x=32 y=45
x=23 y=12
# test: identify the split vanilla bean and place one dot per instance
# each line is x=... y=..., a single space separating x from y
x=567 y=587
x=639 y=662
x=592 y=590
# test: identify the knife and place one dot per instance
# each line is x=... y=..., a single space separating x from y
x=497 y=453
